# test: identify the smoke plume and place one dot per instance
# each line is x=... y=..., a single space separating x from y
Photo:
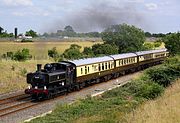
x=101 y=14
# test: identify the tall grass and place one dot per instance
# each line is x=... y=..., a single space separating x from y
x=165 y=109
x=39 y=50
x=13 y=74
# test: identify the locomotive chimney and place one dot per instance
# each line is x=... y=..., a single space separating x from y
x=39 y=67
x=15 y=32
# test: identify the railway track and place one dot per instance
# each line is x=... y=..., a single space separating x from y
x=13 y=98
x=14 y=103
x=20 y=102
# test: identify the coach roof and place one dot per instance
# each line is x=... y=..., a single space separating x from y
x=91 y=60
x=124 y=55
x=151 y=51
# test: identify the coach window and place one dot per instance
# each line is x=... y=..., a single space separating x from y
x=106 y=65
x=124 y=61
x=112 y=65
x=81 y=70
x=88 y=69
x=85 y=70
x=109 y=65
x=99 y=67
x=102 y=66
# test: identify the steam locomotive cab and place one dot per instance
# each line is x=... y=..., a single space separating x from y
x=53 y=79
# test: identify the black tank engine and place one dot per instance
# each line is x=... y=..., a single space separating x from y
x=53 y=79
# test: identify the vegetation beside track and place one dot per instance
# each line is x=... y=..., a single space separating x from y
x=114 y=105
x=13 y=74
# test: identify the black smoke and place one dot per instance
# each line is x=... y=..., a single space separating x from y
x=101 y=14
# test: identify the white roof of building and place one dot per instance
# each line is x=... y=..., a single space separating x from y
x=124 y=55
x=151 y=51
x=91 y=60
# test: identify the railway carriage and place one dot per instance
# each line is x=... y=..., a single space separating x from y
x=92 y=69
x=151 y=57
x=66 y=76
x=124 y=62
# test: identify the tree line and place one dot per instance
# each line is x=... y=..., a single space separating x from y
x=117 y=39
x=5 y=34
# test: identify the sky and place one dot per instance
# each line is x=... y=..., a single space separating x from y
x=155 y=16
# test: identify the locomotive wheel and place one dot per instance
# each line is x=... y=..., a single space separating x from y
x=77 y=87
x=49 y=96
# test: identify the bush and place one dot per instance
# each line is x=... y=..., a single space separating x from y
x=148 y=46
x=149 y=90
x=53 y=54
x=73 y=52
x=144 y=89
x=162 y=75
x=10 y=55
x=22 y=55
x=157 y=43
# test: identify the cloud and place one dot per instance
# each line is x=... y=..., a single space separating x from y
x=18 y=2
x=18 y=14
x=151 y=6
x=136 y=1
x=34 y=12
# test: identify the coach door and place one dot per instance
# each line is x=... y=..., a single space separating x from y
x=70 y=74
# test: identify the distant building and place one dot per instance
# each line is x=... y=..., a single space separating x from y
x=66 y=37
x=21 y=36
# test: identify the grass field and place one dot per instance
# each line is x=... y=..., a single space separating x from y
x=40 y=49
x=165 y=109
x=13 y=74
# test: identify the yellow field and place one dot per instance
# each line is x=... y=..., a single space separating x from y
x=165 y=109
x=13 y=74
x=40 y=49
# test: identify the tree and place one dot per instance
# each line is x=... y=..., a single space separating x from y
x=31 y=33
x=148 y=34
x=148 y=46
x=1 y=29
x=127 y=38
x=69 y=31
x=88 y=52
x=53 y=54
x=104 y=49
x=22 y=55
x=172 y=43
x=73 y=52
x=75 y=46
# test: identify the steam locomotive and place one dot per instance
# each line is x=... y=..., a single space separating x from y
x=67 y=76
